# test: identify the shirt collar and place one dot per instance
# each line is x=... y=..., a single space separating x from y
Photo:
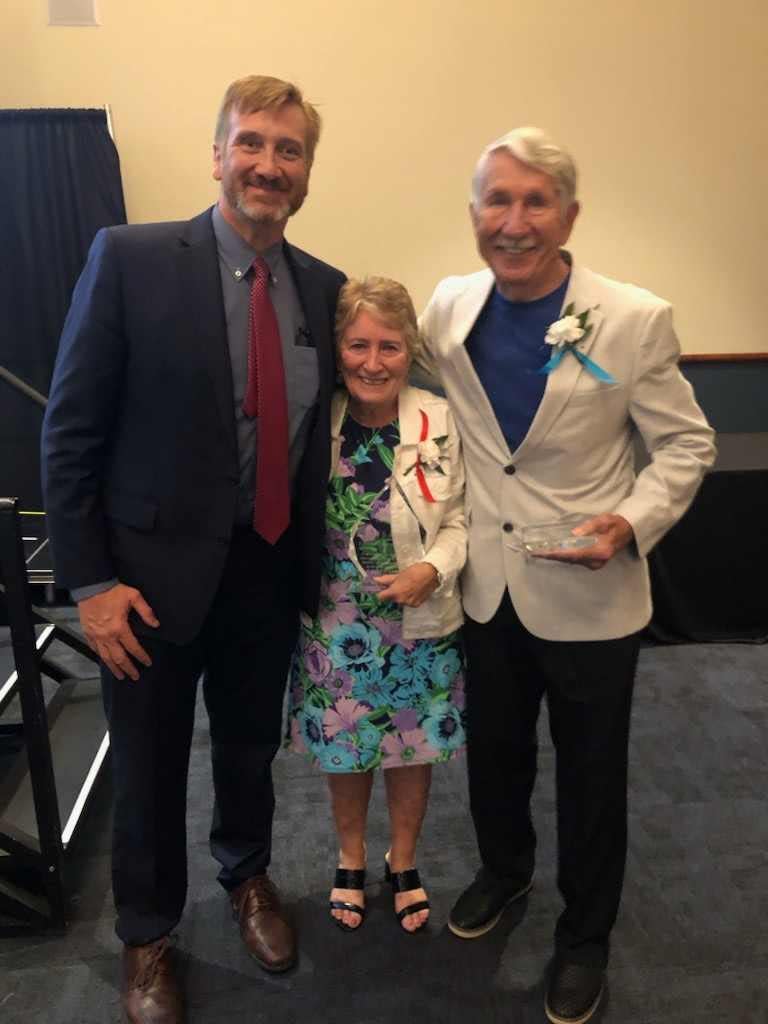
x=235 y=253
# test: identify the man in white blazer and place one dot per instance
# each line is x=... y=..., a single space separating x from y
x=549 y=370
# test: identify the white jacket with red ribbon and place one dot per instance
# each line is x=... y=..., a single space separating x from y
x=426 y=503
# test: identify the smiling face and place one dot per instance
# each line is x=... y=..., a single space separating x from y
x=374 y=363
x=520 y=226
x=263 y=169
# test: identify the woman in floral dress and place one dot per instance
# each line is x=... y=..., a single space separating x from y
x=377 y=679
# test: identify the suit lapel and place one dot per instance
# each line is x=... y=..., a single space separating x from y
x=562 y=381
x=465 y=312
x=203 y=331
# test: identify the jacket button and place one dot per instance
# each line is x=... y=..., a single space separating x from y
x=507 y=527
x=509 y=470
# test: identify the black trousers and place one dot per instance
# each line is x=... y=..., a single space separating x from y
x=588 y=687
x=243 y=651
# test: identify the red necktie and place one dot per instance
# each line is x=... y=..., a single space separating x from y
x=265 y=398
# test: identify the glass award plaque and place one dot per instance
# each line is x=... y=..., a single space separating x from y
x=549 y=538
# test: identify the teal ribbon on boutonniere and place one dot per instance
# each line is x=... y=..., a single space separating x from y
x=564 y=334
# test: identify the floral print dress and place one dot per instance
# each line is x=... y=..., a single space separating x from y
x=361 y=696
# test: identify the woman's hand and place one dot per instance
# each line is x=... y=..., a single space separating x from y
x=411 y=587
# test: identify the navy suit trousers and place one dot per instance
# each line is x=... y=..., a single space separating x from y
x=242 y=652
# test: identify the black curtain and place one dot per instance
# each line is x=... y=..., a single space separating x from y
x=708 y=574
x=59 y=182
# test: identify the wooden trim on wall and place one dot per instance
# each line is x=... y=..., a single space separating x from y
x=725 y=357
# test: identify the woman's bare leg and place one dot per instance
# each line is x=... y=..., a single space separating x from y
x=407 y=793
x=350 y=794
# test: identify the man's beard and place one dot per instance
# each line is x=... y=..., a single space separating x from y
x=259 y=212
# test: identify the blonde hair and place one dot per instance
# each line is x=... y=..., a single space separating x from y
x=261 y=92
x=383 y=298
x=532 y=146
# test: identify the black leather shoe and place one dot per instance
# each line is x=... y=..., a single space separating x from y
x=574 y=992
x=482 y=903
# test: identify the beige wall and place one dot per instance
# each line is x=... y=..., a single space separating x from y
x=663 y=103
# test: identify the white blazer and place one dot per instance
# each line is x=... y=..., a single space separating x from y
x=576 y=457
x=444 y=531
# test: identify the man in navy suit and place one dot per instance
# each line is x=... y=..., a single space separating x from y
x=150 y=482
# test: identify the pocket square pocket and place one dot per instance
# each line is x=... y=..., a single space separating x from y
x=595 y=393
x=303 y=338
x=131 y=510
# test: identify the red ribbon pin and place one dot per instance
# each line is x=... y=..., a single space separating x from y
x=419 y=471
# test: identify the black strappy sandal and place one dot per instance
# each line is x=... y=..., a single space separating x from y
x=348 y=878
x=405 y=881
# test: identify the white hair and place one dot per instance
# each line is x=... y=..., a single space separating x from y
x=533 y=147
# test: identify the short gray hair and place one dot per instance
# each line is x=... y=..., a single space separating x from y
x=533 y=147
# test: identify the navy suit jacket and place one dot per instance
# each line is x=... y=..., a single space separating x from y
x=139 y=449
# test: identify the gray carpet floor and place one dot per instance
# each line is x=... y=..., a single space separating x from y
x=691 y=945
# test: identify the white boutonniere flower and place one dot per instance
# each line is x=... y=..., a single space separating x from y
x=429 y=454
x=570 y=328
x=564 y=335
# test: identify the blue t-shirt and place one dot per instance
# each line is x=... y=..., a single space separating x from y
x=507 y=347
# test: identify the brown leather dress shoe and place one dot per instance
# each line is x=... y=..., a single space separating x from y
x=150 y=994
x=264 y=928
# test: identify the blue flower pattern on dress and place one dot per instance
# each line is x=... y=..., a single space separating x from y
x=444 y=668
x=355 y=648
x=370 y=687
x=384 y=701
x=443 y=725
x=340 y=755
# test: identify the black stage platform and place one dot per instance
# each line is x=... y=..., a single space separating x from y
x=53 y=739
